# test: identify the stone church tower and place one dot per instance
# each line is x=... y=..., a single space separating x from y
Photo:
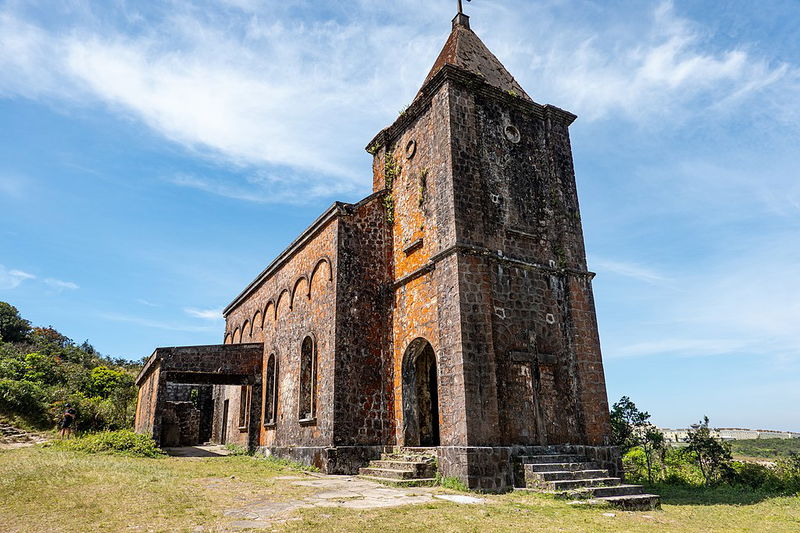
x=489 y=266
x=450 y=310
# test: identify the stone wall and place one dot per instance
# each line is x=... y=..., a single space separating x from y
x=201 y=366
x=363 y=399
x=293 y=299
x=180 y=424
x=145 y=421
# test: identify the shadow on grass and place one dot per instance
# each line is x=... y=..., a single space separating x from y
x=721 y=495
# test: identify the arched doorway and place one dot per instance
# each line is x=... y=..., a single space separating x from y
x=420 y=395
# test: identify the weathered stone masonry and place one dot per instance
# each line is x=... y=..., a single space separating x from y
x=451 y=308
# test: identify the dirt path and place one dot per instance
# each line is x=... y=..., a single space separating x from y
x=12 y=437
x=334 y=491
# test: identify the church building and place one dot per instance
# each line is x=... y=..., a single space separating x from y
x=450 y=312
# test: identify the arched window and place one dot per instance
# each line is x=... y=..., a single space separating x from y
x=308 y=380
x=271 y=392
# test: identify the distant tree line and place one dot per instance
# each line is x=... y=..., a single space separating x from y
x=42 y=370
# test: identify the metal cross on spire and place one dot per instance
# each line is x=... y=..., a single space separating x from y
x=461 y=7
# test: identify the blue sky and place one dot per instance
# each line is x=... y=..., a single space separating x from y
x=154 y=157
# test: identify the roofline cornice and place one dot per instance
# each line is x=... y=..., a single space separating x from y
x=475 y=82
x=334 y=211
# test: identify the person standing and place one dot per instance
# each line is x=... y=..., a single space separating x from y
x=67 y=421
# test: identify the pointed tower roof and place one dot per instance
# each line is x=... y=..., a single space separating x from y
x=464 y=49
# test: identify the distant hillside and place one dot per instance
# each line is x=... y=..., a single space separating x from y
x=41 y=370
x=765 y=448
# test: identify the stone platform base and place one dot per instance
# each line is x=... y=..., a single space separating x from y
x=498 y=469
x=343 y=460
x=480 y=468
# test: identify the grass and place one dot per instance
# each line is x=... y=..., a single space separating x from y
x=770 y=449
x=516 y=512
x=50 y=489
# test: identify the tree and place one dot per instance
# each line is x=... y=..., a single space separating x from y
x=625 y=419
x=49 y=336
x=13 y=328
x=712 y=455
x=653 y=443
x=631 y=427
x=103 y=381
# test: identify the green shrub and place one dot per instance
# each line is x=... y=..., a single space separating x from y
x=752 y=475
x=634 y=462
x=122 y=442
x=23 y=398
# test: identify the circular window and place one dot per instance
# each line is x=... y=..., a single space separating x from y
x=411 y=149
x=512 y=134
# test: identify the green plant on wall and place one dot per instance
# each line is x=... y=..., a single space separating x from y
x=391 y=170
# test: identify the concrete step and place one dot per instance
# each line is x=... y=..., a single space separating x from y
x=552 y=458
x=418 y=450
x=550 y=467
x=634 y=502
x=615 y=490
x=421 y=469
x=569 y=484
x=565 y=474
x=387 y=473
x=420 y=482
x=588 y=493
x=408 y=458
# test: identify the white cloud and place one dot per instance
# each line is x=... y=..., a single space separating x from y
x=290 y=102
x=743 y=303
x=657 y=67
x=60 y=284
x=681 y=347
x=155 y=324
x=205 y=314
x=627 y=269
x=11 y=279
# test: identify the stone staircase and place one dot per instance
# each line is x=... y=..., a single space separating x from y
x=575 y=477
x=404 y=467
x=11 y=435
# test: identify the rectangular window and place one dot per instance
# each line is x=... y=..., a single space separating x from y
x=244 y=406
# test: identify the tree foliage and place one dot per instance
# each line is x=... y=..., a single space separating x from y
x=713 y=456
x=43 y=370
x=631 y=427
x=13 y=328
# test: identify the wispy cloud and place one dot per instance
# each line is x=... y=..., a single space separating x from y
x=630 y=270
x=11 y=279
x=61 y=285
x=661 y=67
x=681 y=347
x=266 y=94
x=734 y=306
x=12 y=186
x=146 y=302
x=155 y=324
x=205 y=314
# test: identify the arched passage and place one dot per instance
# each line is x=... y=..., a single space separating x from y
x=420 y=395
